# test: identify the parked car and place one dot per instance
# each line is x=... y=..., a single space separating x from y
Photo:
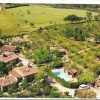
x=84 y=86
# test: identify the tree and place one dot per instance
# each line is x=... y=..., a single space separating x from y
x=86 y=77
x=1 y=93
x=79 y=19
x=55 y=94
x=3 y=68
x=24 y=84
x=12 y=88
x=97 y=17
x=96 y=69
x=73 y=18
x=47 y=90
x=24 y=81
x=28 y=12
x=41 y=73
x=57 y=64
x=40 y=30
x=85 y=93
x=89 y=16
x=1 y=74
x=79 y=35
x=26 y=21
x=32 y=24
x=97 y=38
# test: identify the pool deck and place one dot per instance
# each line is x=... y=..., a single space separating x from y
x=66 y=74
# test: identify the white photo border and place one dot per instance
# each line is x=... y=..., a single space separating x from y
x=53 y=1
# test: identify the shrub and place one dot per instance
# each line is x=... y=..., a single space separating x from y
x=26 y=21
x=85 y=94
x=63 y=82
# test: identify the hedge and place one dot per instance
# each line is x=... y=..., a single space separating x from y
x=63 y=82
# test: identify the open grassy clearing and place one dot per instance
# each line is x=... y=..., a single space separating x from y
x=12 y=21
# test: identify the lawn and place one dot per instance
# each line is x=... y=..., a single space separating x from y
x=12 y=21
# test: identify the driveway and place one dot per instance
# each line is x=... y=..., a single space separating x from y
x=97 y=92
x=64 y=89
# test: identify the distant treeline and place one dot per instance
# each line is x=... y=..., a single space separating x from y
x=91 y=7
x=10 y=5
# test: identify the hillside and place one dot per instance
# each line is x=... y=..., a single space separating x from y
x=15 y=20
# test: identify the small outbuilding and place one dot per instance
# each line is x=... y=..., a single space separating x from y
x=62 y=50
x=70 y=71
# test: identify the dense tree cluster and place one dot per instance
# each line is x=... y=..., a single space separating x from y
x=90 y=7
x=46 y=56
x=73 y=18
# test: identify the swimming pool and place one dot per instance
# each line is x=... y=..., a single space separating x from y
x=61 y=75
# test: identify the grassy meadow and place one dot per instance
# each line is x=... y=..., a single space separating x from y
x=12 y=21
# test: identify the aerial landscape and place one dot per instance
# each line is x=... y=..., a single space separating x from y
x=49 y=51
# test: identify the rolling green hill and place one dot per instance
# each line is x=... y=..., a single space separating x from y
x=12 y=21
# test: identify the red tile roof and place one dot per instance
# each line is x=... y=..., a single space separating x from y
x=7 y=57
x=23 y=71
x=14 y=73
x=70 y=69
x=5 y=81
x=8 y=48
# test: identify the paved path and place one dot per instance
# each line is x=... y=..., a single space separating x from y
x=97 y=92
x=64 y=89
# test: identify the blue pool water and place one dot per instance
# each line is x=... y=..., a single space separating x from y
x=61 y=75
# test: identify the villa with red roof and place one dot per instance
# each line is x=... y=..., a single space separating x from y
x=16 y=74
x=9 y=48
x=23 y=72
x=7 y=80
x=8 y=57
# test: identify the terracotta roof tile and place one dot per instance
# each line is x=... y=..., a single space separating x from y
x=5 y=81
x=7 y=57
x=14 y=73
x=24 y=71
x=8 y=48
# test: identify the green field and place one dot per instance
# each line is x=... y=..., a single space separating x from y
x=12 y=21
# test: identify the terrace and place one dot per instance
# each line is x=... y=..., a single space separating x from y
x=64 y=74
